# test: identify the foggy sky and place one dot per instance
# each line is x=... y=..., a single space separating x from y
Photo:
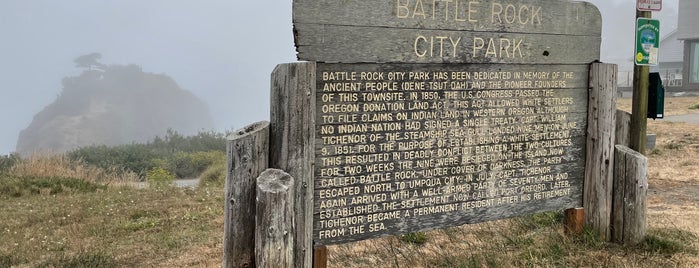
x=221 y=50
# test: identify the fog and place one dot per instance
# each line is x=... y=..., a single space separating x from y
x=221 y=50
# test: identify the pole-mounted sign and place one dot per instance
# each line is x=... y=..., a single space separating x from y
x=647 y=41
x=649 y=5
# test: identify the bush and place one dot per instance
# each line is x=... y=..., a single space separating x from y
x=8 y=161
x=214 y=175
x=133 y=157
x=21 y=186
x=158 y=177
x=185 y=157
x=48 y=165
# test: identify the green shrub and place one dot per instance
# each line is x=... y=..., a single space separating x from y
x=132 y=157
x=189 y=165
x=185 y=157
x=159 y=177
x=16 y=186
x=183 y=166
x=214 y=175
x=8 y=161
x=694 y=106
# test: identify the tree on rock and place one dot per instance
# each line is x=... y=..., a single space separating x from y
x=88 y=61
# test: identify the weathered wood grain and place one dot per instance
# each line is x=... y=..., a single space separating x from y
x=622 y=133
x=292 y=135
x=390 y=31
x=574 y=221
x=555 y=17
x=367 y=193
x=600 y=148
x=247 y=157
x=351 y=44
x=630 y=192
x=274 y=218
x=320 y=257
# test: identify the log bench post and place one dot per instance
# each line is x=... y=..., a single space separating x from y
x=247 y=157
x=274 y=218
x=601 y=118
x=630 y=189
x=292 y=141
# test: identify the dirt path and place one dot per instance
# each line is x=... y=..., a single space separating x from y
x=673 y=194
x=687 y=118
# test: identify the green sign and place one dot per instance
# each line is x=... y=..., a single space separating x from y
x=647 y=41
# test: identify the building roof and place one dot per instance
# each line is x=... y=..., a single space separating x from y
x=671 y=49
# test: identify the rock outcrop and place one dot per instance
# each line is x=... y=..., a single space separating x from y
x=113 y=105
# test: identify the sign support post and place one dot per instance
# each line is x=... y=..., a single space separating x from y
x=639 y=106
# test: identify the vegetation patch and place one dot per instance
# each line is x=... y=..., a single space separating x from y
x=7 y=162
x=8 y=260
x=184 y=157
x=18 y=186
x=82 y=259
x=417 y=238
x=669 y=241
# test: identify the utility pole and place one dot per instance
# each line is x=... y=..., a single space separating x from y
x=639 y=106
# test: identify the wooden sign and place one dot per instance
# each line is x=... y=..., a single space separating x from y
x=430 y=114
x=454 y=31
x=406 y=147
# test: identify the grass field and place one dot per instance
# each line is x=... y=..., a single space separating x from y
x=55 y=220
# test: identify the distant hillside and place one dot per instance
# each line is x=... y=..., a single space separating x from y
x=113 y=105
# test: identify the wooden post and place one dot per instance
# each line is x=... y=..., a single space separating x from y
x=274 y=218
x=639 y=104
x=599 y=162
x=574 y=220
x=246 y=158
x=320 y=257
x=292 y=139
x=623 y=124
x=630 y=189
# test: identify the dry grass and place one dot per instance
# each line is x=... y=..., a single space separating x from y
x=58 y=165
x=673 y=168
x=114 y=227
x=673 y=105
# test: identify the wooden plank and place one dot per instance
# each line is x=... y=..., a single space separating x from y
x=630 y=191
x=247 y=157
x=274 y=237
x=352 y=44
x=532 y=31
x=600 y=148
x=379 y=173
x=292 y=134
x=622 y=133
x=320 y=257
x=521 y=16
x=574 y=221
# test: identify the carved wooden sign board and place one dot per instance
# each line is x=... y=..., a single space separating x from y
x=438 y=113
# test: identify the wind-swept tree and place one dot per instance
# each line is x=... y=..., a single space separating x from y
x=88 y=61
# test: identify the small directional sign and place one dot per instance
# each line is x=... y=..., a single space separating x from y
x=647 y=41
x=649 y=5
